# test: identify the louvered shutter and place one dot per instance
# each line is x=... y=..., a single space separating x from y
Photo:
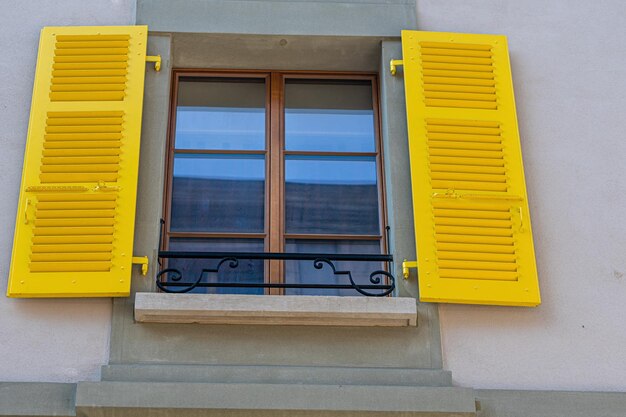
x=75 y=221
x=472 y=223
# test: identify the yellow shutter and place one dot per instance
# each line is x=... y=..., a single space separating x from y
x=75 y=221
x=472 y=223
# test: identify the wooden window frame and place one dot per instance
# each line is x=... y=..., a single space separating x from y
x=274 y=236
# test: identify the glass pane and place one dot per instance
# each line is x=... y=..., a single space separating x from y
x=218 y=193
x=303 y=272
x=222 y=113
x=329 y=115
x=247 y=271
x=333 y=195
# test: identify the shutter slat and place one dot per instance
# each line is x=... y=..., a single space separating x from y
x=456 y=126
x=435 y=144
x=91 y=44
x=79 y=177
x=441 y=213
x=68 y=214
x=475 y=247
x=90 y=58
x=62 y=240
x=83 y=136
x=58 y=231
x=464 y=137
x=83 y=145
x=87 y=87
x=466 y=104
x=456 y=52
x=91 y=266
x=477 y=256
x=470 y=185
x=456 y=59
x=451 y=160
x=454 y=176
x=451 y=80
x=459 y=88
x=70 y=248
x=85 y=128
x=87 y=96
x=477 y=274
x=92 y=80
x=476 y=231
x=100 y=37
x=478 y=265
x=80 y=156
x=458 y=74
x=90 y=68
x=450 y=45
x=89 y=221
x=466 y=153
x=460 y=96
x=467 y=168
x=478 y=240
x=84 y=114
x=68 y=204
x=90 y=50
x=78 y=197
x=463 y=221
x=70 y=121
x=67 y=71
x=74 y=257
x=80 y=168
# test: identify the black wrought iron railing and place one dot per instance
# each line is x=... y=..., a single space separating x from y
x=379 y=283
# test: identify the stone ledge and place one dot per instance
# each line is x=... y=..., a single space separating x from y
x=263 y=374
x=515 y=403
x=280 y=400
x=37 y=399
x=277 y=310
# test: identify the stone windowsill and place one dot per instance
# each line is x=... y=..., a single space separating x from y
x=278 y=310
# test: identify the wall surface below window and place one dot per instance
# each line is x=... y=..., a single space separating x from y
x=42 y=340
x=569 y=71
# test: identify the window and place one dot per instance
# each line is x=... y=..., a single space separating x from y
x=275 y=162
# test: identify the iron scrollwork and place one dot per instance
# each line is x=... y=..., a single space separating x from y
x=374 y=278
x=175 y=277
x=171 y=279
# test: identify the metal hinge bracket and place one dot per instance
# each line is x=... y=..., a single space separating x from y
x=405 y=267
x=393 y=64
x=143 y=261
x=157 y=61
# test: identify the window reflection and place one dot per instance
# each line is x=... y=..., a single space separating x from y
x=226 y=114
x=329 y=116
x=331 y=194
x=220 y=128
x=218 y=193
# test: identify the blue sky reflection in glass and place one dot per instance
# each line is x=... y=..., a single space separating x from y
x=329 y=130
x=224 y=128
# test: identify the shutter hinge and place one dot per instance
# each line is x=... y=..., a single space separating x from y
x=405 y=267
x=393 y=64
x=143 y=261
x=157 y=61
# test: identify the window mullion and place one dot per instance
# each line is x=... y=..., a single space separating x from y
x=275 y=231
